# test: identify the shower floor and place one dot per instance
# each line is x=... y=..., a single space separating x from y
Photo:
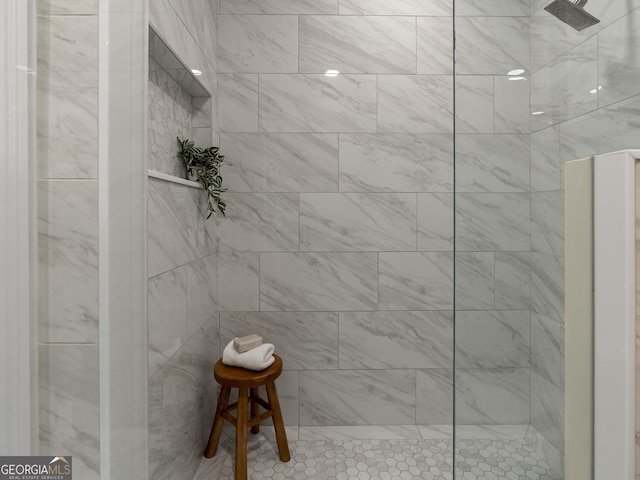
x=397 y=459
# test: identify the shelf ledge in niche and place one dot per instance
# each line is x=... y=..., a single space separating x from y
x=166 y=57
x=170 y=178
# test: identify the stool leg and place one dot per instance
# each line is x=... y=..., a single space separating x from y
x=278 y=423
x=241 y=434
x=255 y=408
x=216 y=428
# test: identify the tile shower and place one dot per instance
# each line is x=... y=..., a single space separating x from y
x=339 y=239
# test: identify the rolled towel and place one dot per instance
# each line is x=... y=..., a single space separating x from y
x=257 y=358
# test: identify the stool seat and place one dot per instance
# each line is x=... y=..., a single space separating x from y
x=236 y=377
x=247 y=382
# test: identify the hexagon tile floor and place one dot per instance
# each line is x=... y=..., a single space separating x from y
x=382 y=459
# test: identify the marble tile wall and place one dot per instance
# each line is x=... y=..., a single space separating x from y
x=579 y=81
x=183 y=322
x=67 y=211
x=637 y=376
x=337 y=245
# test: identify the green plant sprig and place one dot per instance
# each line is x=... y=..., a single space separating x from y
x=204 y=164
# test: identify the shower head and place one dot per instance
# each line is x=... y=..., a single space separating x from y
x=572 y=13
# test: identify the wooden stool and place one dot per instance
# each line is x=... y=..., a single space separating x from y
x=245 y=381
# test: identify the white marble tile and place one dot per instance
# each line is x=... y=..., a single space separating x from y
x=512 y=280
x=259 y=222
x=474 y=104
x=492 y=396
x=492 y=221
x=492 y=339
x=491 y=45
x=357 y=44
x=304 y=340
x=396 y=163
x=239 y=281
x=512 y=113
x=492 y=163
x=69 y=405
x=280 y=162
x=415 y=281
x=202 y=277
x=415 y=104
x=167 y=314
x=495 y=8
x=547 y=349
x=62 y=7
x=547 y=286
x=547 y=410
x=155 y=419
x=545 y=450
x=606 y=130
x=357 y=221
x=238 y=103
x=258 y=44
x=475 y=278
x=438 y=432
x=293 y=7
x=190 y=12
x=435 y=222
x=317 y=103
x=360 y=432
x=357 y=397
x=392 y=7
x=318 y=281
x=165 y=22
x=67 y=129
x=434 y=397
x=547 y=222
x=490 y=432
x=68 y=261
x=618 y=62
x=388 y=340
x=435 y=45
x=545 y=160
x=563 y=88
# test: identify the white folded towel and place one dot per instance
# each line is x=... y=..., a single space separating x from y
x=257 y=358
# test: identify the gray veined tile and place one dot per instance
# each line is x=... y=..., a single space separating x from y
x=415 y=281
x=379 y=340
x=435 y=222
x=512 y=105
x=547 y=349
x=513 y=280
x=238 y=103
x=547 y=286
x=239 y=281
x=258 y=44
x=61 y=7
x=566 y=87
x=361 y=432
x=493 y=221
x=190 y=12
x=475 y=277
x=492 y=163
x=492 y=396
x=492 y=339
x=357 y=397
x=259 y=222
x=357 y=221
x=357 y=44
x=547 y=410
x=318 y=281
x=396 y=163
x=435 y=45
x=165 y=22
x=474 y=104
x=545 y=159
x=495 y=8
x=304 y=340
x=68 y=261
x=415 y=104
x=546 y=222
x=280 y=162
x=391 y=7
x=293 y=7
x=434 y=398
x=491 y=45
x=317 y=103
x=618 y=62
x=202 y=277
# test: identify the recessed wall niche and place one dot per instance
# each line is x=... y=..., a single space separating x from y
x=179 y=105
